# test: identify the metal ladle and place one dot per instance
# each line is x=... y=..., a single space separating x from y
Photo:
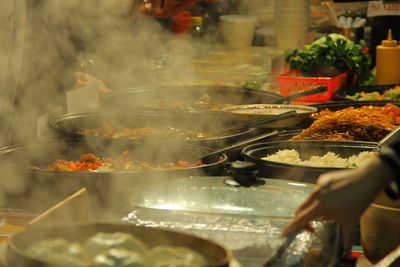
x=389 y=139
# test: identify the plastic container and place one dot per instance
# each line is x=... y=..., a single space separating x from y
x=380 y=232
x=291 y=22
x=238 y=30
x=388 y=61
x=291 y=82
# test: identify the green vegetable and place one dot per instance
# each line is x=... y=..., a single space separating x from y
x=251 y=85
x=331 y=55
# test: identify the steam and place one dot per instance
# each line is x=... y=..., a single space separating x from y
x=98 y=37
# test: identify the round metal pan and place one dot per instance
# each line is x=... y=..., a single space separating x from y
x=38 y=189
x=16 y=255
x=144 y=98
x=71 y=126
x=306 y=149
x=341 y=93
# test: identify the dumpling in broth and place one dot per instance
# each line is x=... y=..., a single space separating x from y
x=59 y=251
x=119 y=258
x=171 y=256
x=101 y=242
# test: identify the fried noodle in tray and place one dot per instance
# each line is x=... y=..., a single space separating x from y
x=368 y=123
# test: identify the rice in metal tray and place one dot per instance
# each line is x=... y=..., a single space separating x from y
x=330 y=159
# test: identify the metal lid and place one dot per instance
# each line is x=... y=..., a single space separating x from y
x=247 y=220
x=213 y=195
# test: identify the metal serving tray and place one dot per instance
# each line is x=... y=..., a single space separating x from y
x=246 y=220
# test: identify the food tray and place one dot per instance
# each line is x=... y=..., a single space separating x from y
x=306 y=149
x=341 y=93
x=337 y=105
x=291 y=83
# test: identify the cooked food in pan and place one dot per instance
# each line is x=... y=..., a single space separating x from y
x=330 y=159
x=203 y=103
x=91 y=163
x=368 y=123
x=108 y=131
x=390 y=94
x=113 y=249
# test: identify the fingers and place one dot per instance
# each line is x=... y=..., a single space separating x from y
x=308 y=201
x=301 y=220
x=79 y=83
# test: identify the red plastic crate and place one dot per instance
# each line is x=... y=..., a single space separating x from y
x=291 y=82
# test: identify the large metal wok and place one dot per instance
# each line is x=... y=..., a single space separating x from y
x=145 y=98
x=38 y=189
x=72 y=126
x=306 y=149
x=215 y=255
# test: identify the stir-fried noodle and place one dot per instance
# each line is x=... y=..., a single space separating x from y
x=368 y=123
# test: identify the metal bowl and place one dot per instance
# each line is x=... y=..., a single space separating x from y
x=261 y=111
x=16 y=255
x=72 y=126
x=306 y=149
x=145 y=98
x=38 y=189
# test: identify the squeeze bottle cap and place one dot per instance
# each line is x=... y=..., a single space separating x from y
x=389 y=41
x=197 y=21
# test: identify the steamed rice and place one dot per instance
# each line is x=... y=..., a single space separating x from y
x=330 y=159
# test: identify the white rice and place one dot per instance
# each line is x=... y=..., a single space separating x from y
x=330 y=159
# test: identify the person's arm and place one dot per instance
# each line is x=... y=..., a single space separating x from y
x=161 y=8
x=343 y=196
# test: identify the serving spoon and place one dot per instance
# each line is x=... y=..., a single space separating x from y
x=256 y=123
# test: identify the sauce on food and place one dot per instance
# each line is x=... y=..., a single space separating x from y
x=91 y=163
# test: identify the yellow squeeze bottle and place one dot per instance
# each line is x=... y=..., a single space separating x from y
x=388 y=61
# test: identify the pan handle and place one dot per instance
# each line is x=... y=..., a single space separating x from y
x=240 y=144
x=285 y=99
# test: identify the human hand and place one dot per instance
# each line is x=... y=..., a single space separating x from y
x=83 y=79
x=342 y=196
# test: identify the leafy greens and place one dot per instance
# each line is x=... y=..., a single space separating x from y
x=331 y=55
